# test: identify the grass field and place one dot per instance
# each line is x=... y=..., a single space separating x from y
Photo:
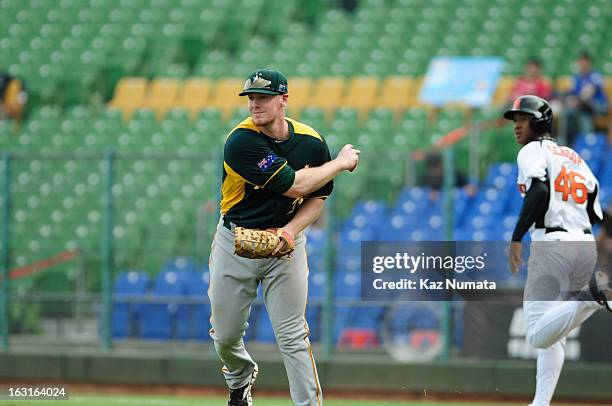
x=132 y=400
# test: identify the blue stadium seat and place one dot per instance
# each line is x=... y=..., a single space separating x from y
x=594 y=158
x=313 y=318
x=501 y=175
x=263 y=328
x=125 y=315
x=460 y=234
x=348 y=255
x=368 y=317
x=395 y=228
x=462 y=203
x=316 y=239
x=418 y=195
x=409 y=207
x=131 y=282
x=414 y=324
x=606 y=194
x=257 y=308
x=317 y=290
x=251 y=331
x=482 y=234
x=348 y=261
x=194 y=324
x=316 y=262
x=482 y=222
x=515 y=202
x=593 y=149
x=180 y=264
x=415 y=315
x=341 y=321
x=595 y=141
x=605 y=178
x=435 y=222
x=347 y=284
x=317 y=287
x=352 y=237
x=158 y=319
x=370 y=208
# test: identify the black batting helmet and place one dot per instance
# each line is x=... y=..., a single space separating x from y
x=538 y=108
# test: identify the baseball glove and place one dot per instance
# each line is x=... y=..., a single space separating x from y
x=251 y=243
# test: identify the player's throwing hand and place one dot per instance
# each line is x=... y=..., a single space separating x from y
x=348 y=157
x=515 y=257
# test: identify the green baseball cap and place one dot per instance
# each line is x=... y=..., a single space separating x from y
x=266 y=81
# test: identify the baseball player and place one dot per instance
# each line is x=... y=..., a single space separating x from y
x=277 y=173
x=560 y=205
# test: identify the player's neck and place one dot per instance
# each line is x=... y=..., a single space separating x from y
x=277 y=129
x=546 y=136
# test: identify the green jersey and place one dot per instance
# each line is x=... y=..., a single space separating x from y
x=257 y=170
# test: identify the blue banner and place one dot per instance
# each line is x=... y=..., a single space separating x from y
x=465 y=80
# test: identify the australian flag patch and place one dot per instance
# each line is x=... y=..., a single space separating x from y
x=267 y=162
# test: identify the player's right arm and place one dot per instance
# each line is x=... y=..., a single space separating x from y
x=308 y=180
x=249 y=157
x=534 y=206
x=533 y=185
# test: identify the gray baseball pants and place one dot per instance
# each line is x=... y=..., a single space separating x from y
x=558 y=270
x=233 y=287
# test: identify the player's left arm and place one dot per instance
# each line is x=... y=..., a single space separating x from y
x=307 y=213
x=312 y=206
x=593 y=206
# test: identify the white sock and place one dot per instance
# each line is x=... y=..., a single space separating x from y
x=549 y=365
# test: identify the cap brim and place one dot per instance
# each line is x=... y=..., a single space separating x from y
x=509 y=114
x=262 y=91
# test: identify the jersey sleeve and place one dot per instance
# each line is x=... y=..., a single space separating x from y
x=531 y=162
x=534 y=207
x=326 y=190
x=249 y=156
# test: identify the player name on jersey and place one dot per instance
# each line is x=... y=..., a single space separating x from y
x=565 y=152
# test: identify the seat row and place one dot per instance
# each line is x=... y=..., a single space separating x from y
x=363 y=93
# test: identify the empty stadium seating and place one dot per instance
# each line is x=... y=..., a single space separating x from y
x=145 y=313
x=156 y=81
x=84 y=48
x=126 y=313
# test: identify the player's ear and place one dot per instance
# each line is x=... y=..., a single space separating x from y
x=284 y=100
